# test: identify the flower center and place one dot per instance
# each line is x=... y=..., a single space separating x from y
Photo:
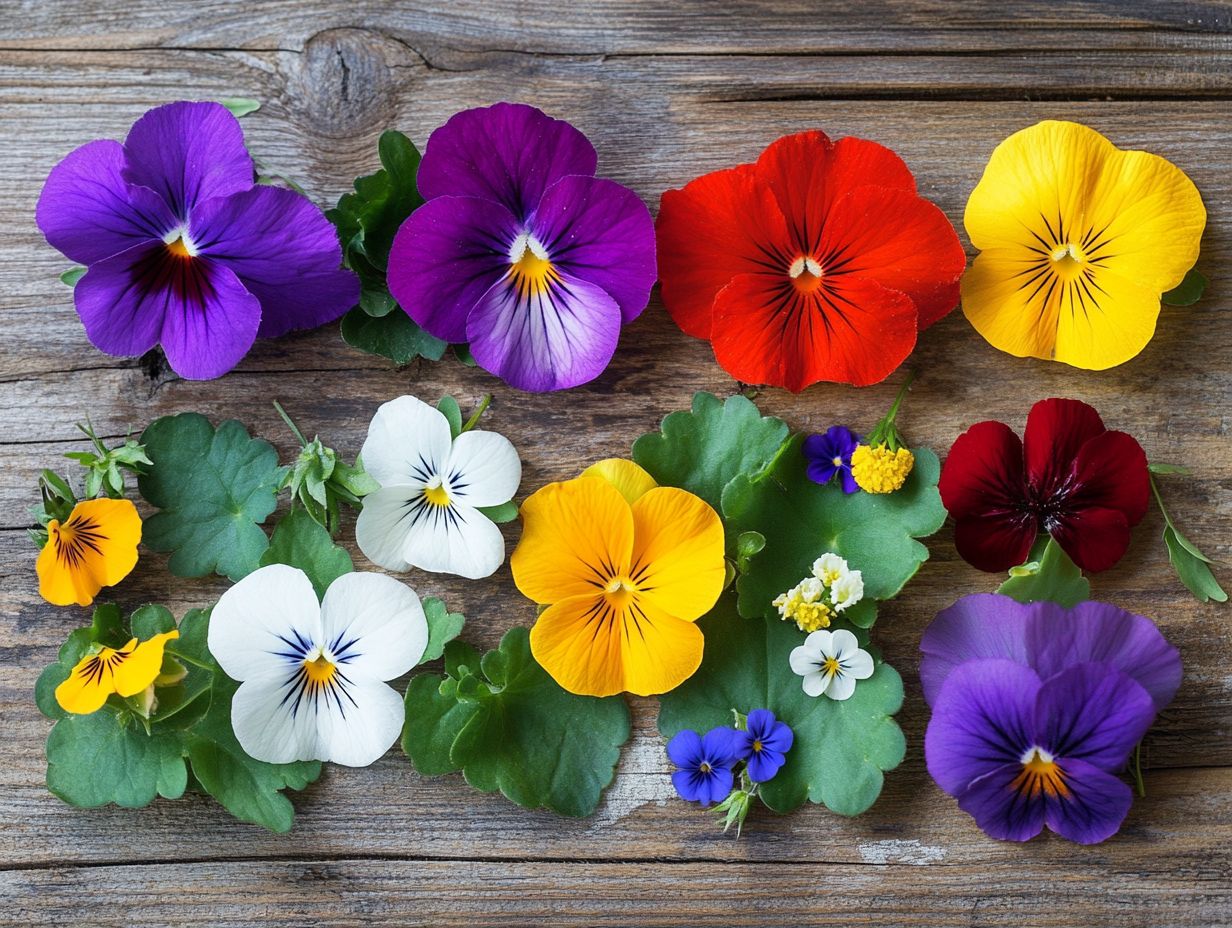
x=831 y=666
x=179 y=244
x=620 y=592
x=435 y=492
x=1040 y=774
x=1068 y=260
x=74 y=540
x=757 y=746
x=704 y=767
x=318 y=668
x=531 y=268
x=837 y=461
x=805 y=274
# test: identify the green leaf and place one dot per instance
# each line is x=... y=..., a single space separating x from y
x=703 y=450
x=1167 y=469
x=1188 y=291
x=517 y=731
x=240 y=106
x=300 y=542
x=368 y=219
x=213 y=488
x=394 y=336
x=1055 y=578
x=505 y=512
x=443 y=627
x=841 y=749
x=801 y=520
x=463 y=354
x=450 y=409
x=1192 y=566
x=72 y=275
x=96 y=759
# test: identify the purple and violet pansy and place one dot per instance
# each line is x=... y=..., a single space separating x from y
x=520 y=250
x=829 y=454
x=184 y=249
x=704 y=764
x=763 y=744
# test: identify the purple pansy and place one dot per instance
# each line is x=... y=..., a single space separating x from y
x=830 y=454
x=705 y=764
x=764 y=745
x=1048 y=638
x=1019 y=752
x=183 y=249
x=520 y=250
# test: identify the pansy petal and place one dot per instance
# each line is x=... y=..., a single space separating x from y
x=553 y=337
x=1093 y=712
x=143 y=665
x=601 y=232
x=817 y=683
x=261 y=623
x=574 y=535
x=1106 y=323
x=843 y=644
x=629 y=478
x=983 y=718
x=209 y=329
x=408 y=443
x=1001 y=810
x=995 y=542
x=858 y=665
x=1111 y=472
x=123 y=300
x=358 y=730
x=373 y=626
x=1095 y=807
x=88 y=212
x=454 y=539
x=721 y=746
x=981 y=625
x=678 y=549
x=383 y=524
x=1056 y=431
x=284 y=251
x=446 y=256
x=484 y=469
x=509 y=152
x=85 y=690
x=658 y=650
x=271 y=727
x=1011 y=303
x=188 y=152
x=1095 y=538
x=578 y=643
x=685 y=748
x=842 y=687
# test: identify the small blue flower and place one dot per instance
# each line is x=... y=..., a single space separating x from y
x=705 y=764
x=763 y=745
x=830 y=454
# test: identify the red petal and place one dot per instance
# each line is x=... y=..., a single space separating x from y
x=995 y=543
x=1094 y=538
x=900 y=240
x=716 y=227
x=809 y=174
x=846 y=331
x=983 y=472
x=1111 y=472
x=1056 y=430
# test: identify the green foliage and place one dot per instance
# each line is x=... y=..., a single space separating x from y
x=1190 y=564
x=1051 y=576
x=70 y=277
x=302 y=542
x=508 y=726
x=443 y=627
x=1188 y=291
x=213 y=488
x=240 y=106
x=394 y=336
x=841 y=749
x=105 y=466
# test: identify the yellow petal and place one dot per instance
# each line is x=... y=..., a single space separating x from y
x=91 y=681
x=660 y=650
x=58 y=583
x=576 y=536
x=1007 y=304
x=1108 y=328
x=677 y=552
x=95 y=547
x=629 y=478
x=142 y=665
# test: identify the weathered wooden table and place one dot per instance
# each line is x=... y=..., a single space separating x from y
x=666 y=92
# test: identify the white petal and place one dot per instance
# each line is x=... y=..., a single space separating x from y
x=384 y=524
x=804 y=660
x=407 y=444
x=364 y=728
x=820 y=642
x=858 y=665
x=841 y=687
x=816 y=683
x=261 y=622
x=843 y=644
x=455 y=539
x=484 y=469
x=270 y=727
x=374 y=627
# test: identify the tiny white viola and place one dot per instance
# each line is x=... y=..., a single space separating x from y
x=831 y=663
x=312 y=673
x=427 y=512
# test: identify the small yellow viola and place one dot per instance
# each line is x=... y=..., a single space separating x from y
x=96 y=546
x=1078 y=240
x=625 y=568
x=124 y=671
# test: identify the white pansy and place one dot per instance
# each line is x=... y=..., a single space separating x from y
x=312 y=674
x=426 y=513
x=847 y=590
x=829 y=567
x=831 y=663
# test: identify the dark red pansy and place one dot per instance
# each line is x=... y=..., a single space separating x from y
x=1069 y=476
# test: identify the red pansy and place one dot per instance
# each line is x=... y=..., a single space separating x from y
x=819 y=262
x=1069 y=476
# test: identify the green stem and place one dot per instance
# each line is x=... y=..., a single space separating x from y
x=479 y=411
x=1138 y=771
x=303 y=442
x=188 y=660
x=898 y=400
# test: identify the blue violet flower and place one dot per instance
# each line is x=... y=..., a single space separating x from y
x=830 y=454
x=704 y=773
x=764 y=745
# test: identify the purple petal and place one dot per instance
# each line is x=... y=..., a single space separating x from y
x=510 y=153
x=721 y=746
x=122 y=300
x=983 y=625
x=186 y=153
x=821 y=472
x=1001 y=810
x=88 y=212
x=601 y=232
x=1092 y=712
x=759 y=722
x=284 y=251
x=685 y=748
x=544 y=339
x=446 y=256
x=1095 y=807
x=817 y=448
x=209 y=333
x=849 y=482
x=983 y=718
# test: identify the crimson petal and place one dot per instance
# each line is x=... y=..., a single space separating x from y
x=1056 y=430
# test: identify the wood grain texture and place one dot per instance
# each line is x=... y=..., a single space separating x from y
x=666 y=92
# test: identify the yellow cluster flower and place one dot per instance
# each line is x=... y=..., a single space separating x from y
x=809 y=615
x=818 y=598
x=880 y=470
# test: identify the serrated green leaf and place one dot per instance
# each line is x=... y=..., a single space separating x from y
x=394 y=336
x=505 y=512
x=876 y=532
x=461 y=657
x=1188 y=291
x=703 y=450
x=300 y=542
x=443 y=627
x=214 y=488
x=240 y=106
x=841 y=749
x=434 y=718
x=1192 y=566
x=449 y=408
x=70 y=277
x=1055 y=579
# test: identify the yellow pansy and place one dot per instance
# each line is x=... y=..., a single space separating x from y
x=96 y=546
x=624 y=583
x=630 y=479
x=1078 y=240
x=126 y=671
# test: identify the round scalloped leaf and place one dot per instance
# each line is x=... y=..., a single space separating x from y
x=300 y=541
x=841 y=749
x=95 y=759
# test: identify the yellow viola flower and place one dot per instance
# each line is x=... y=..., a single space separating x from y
x=624 y=583
x=126 y=671
x=629 y=478
x=96 y=546
x=1078 y=240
